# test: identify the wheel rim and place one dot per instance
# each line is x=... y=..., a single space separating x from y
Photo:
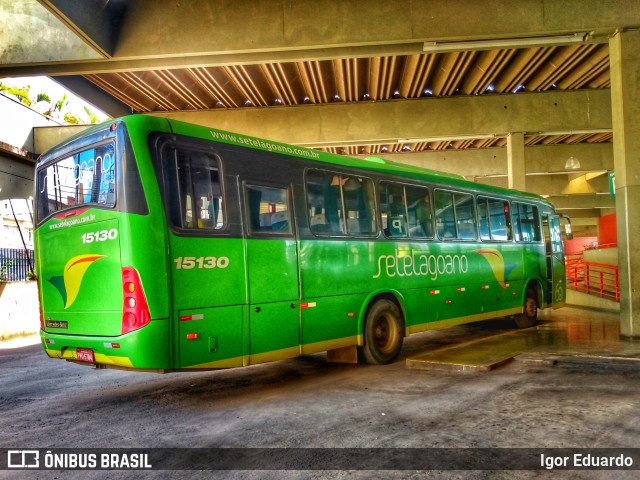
x=384 y=333
x=530 y=308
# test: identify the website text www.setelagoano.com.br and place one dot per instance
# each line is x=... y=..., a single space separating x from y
x=264 y=144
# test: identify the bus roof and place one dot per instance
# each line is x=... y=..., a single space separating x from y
x=367 y=163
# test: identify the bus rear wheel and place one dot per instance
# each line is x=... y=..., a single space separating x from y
x=529 y=316
x=383 y=333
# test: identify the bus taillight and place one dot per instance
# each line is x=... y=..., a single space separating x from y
x=135 y=311
x=40 y=305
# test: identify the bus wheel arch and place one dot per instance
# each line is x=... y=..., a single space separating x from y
x=383 y=330
x=532 y=301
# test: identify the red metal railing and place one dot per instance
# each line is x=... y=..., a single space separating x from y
x=594 y=278
x=574 y=267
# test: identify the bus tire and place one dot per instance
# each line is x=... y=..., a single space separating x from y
x=529 y=316
x=383 y=333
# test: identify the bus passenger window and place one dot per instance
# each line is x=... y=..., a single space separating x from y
x=393 y=210
x=465 y=216
x=357 y=194
x=420 y=214
x=194 y=193
x=526 y=223
x=324 y=203
x=455 y=216
x=499 y=220
x=340 y=204
x=483 y=218
x=445 y=218
x=267 y=209
x=493 y=219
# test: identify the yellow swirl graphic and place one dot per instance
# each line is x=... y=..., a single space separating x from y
x=496 y=262
x=74 y=271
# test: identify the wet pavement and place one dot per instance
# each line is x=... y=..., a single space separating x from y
x=565 y=335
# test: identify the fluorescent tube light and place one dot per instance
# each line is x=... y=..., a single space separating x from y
x=505 y=43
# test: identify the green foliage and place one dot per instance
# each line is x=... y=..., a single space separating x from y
x=60 y=104
x=93 y=118
x=55 y=109
x=71 y=118
x=21 y=93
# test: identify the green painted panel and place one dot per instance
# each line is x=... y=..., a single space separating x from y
x=273 y=326
x=211 y=335
x=274 y=312
x=327 y=318
x=81 y=277
x=207 y=272
x=273 y=270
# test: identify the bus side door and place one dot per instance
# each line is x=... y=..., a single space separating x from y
x=555 y=261
x=206 y=259
x=272 y=269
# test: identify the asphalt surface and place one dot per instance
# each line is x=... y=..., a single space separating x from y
x=309 y=403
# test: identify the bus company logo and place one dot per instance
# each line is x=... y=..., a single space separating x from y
x=69 y=283
x=403 y=264
x=497 y=264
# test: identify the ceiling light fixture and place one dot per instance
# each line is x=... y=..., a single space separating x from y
x=506 y=43
x=572 y=163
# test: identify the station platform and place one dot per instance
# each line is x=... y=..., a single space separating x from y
x=571 y=335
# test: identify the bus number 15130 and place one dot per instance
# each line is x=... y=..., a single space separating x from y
x=187 y=263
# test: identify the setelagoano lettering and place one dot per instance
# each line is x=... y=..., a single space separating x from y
x=420 y=264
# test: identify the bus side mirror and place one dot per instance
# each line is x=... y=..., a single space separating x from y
x=565 y=221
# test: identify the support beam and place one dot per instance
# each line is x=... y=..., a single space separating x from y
x=387 y=122
x=625 y=94
x=579 y=202
x=585 y=221
x=96 y=22
x=515 y=161
x=199 y=32
x=151 y=35
x=541 y=160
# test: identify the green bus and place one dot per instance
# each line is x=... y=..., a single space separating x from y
x=166 y=246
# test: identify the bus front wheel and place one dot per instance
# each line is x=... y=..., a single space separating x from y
x=529 y=316
x=383 y=333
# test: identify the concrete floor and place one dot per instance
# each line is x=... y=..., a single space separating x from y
x=570 y=382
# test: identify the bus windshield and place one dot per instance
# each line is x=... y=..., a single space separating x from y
x=85 y=177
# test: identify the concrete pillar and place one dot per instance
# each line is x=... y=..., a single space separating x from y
x=624 y=50
x=515 y=161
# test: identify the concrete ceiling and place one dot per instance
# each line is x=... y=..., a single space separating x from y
x=432 y=82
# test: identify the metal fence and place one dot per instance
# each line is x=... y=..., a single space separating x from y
x=15 y=264
x=595 y=278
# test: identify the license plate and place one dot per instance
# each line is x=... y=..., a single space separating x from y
x=85 y=355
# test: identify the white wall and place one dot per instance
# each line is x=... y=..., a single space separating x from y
x=19 y=312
